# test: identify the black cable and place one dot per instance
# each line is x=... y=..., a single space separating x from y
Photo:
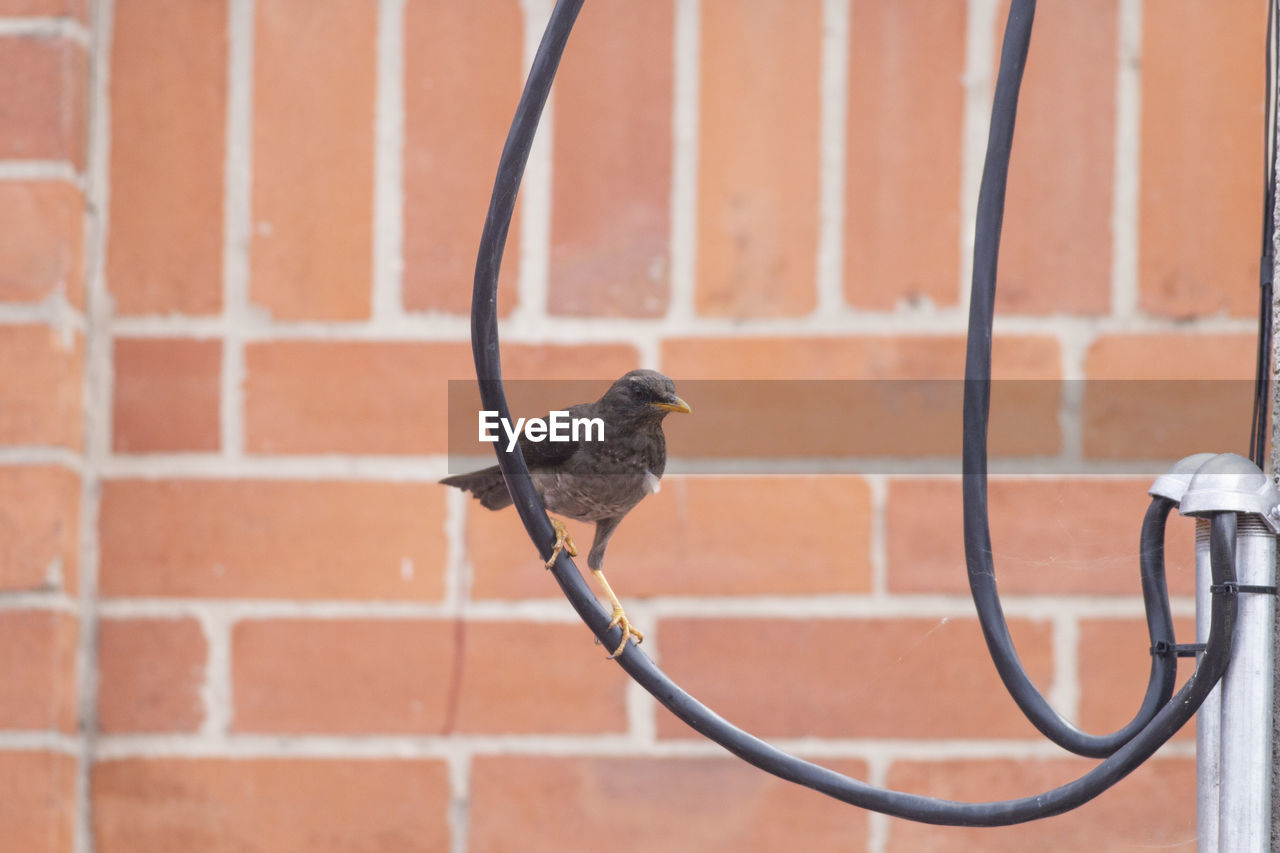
x=1266 y=271
x=977 y=405
x=1172 y=716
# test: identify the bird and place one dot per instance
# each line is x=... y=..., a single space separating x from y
x=597 y=477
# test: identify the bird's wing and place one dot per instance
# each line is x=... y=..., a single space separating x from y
x=548 y=453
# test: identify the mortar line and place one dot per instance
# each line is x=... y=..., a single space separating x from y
x=879 y=825
x=437 y=328
x=878 y=541
x=979 y=89
x=1064 y=690
x=237 y=217
x=388 y=212
x=1125 y=200
x=684 y=163
x=535 y=189
x=836 y=16
x=688 y=746
x=61 y=26
x=216 y=686
x=459 y=816
x=41 y=170
x=97 y=405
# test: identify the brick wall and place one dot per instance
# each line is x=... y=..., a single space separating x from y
x=236 y=240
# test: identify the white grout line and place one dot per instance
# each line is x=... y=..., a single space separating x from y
x=878 y=543
x=535 y=190
x=684 y=163
x=690 y=746
x=979 y=85
x=879 y=826
x=399 y=469
x=557 y=330
x=97 y=404
x=54 y=600
x=834 y=99
x=834 y=606
x=39 y=741
x=388 y=212
x=457 y=573
x=459 y=816
x=215 y=689
x=237 y=219
x=1125 y=193
x=45 y=28
x=40 y=170
x=16 y=455
x=1064 y=691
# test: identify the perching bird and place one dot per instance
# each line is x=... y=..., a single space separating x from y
x=595 y=480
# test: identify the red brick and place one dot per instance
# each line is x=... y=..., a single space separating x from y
x=42 y=8
x=41 y=403
x=39 y=528
x=1154 y=808
x=1171 y=356
x=905 y=357
x=452 y=145
x=1176 y=395
x=166 y=395
x=220 y=805
x=386 y=397
x=758 y=157
x=809 y=536
x=355 y=676
x=168 y=113
x=906 y=110
x=654 y=804
x=1201 y=193
x=150 y=673
x=261 y=539
x=1115 y=661
x=41 y=237
x=1055 y=253
x=774 y=677
x=45 y=110
x=611 y=201
x=313 y=158
x=1072 y=536
x=895 y=419
x=38 y=801
x=38 y=659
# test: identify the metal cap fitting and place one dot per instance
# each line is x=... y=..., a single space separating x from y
x=1172 y=484
x=1231 y=483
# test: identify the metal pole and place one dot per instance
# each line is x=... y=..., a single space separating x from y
x=1208 y=718
x=1245 y=804
x=1231 y=483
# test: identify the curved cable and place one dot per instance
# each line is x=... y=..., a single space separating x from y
x=977 y=407
x=1170 y=717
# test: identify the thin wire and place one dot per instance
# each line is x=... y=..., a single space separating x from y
x=1266 y=270
x=1171 y=717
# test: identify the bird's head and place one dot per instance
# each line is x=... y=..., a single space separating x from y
x=645 y=393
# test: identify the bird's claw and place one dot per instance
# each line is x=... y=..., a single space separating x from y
x=563 y=543
x=621 y=621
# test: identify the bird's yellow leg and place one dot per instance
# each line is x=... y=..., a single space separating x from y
x=619 y=616
x=563 y=543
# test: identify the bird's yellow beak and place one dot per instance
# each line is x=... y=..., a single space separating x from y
x=675 y=405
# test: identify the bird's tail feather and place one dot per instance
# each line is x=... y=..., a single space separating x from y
x=487 y=485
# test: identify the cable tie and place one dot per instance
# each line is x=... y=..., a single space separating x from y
x=1182 y=650
x=1233 y=588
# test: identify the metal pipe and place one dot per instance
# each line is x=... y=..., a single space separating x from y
x=1245 y=795
x=1209 y=717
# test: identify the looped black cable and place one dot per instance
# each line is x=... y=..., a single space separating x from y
x=1167 y=720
